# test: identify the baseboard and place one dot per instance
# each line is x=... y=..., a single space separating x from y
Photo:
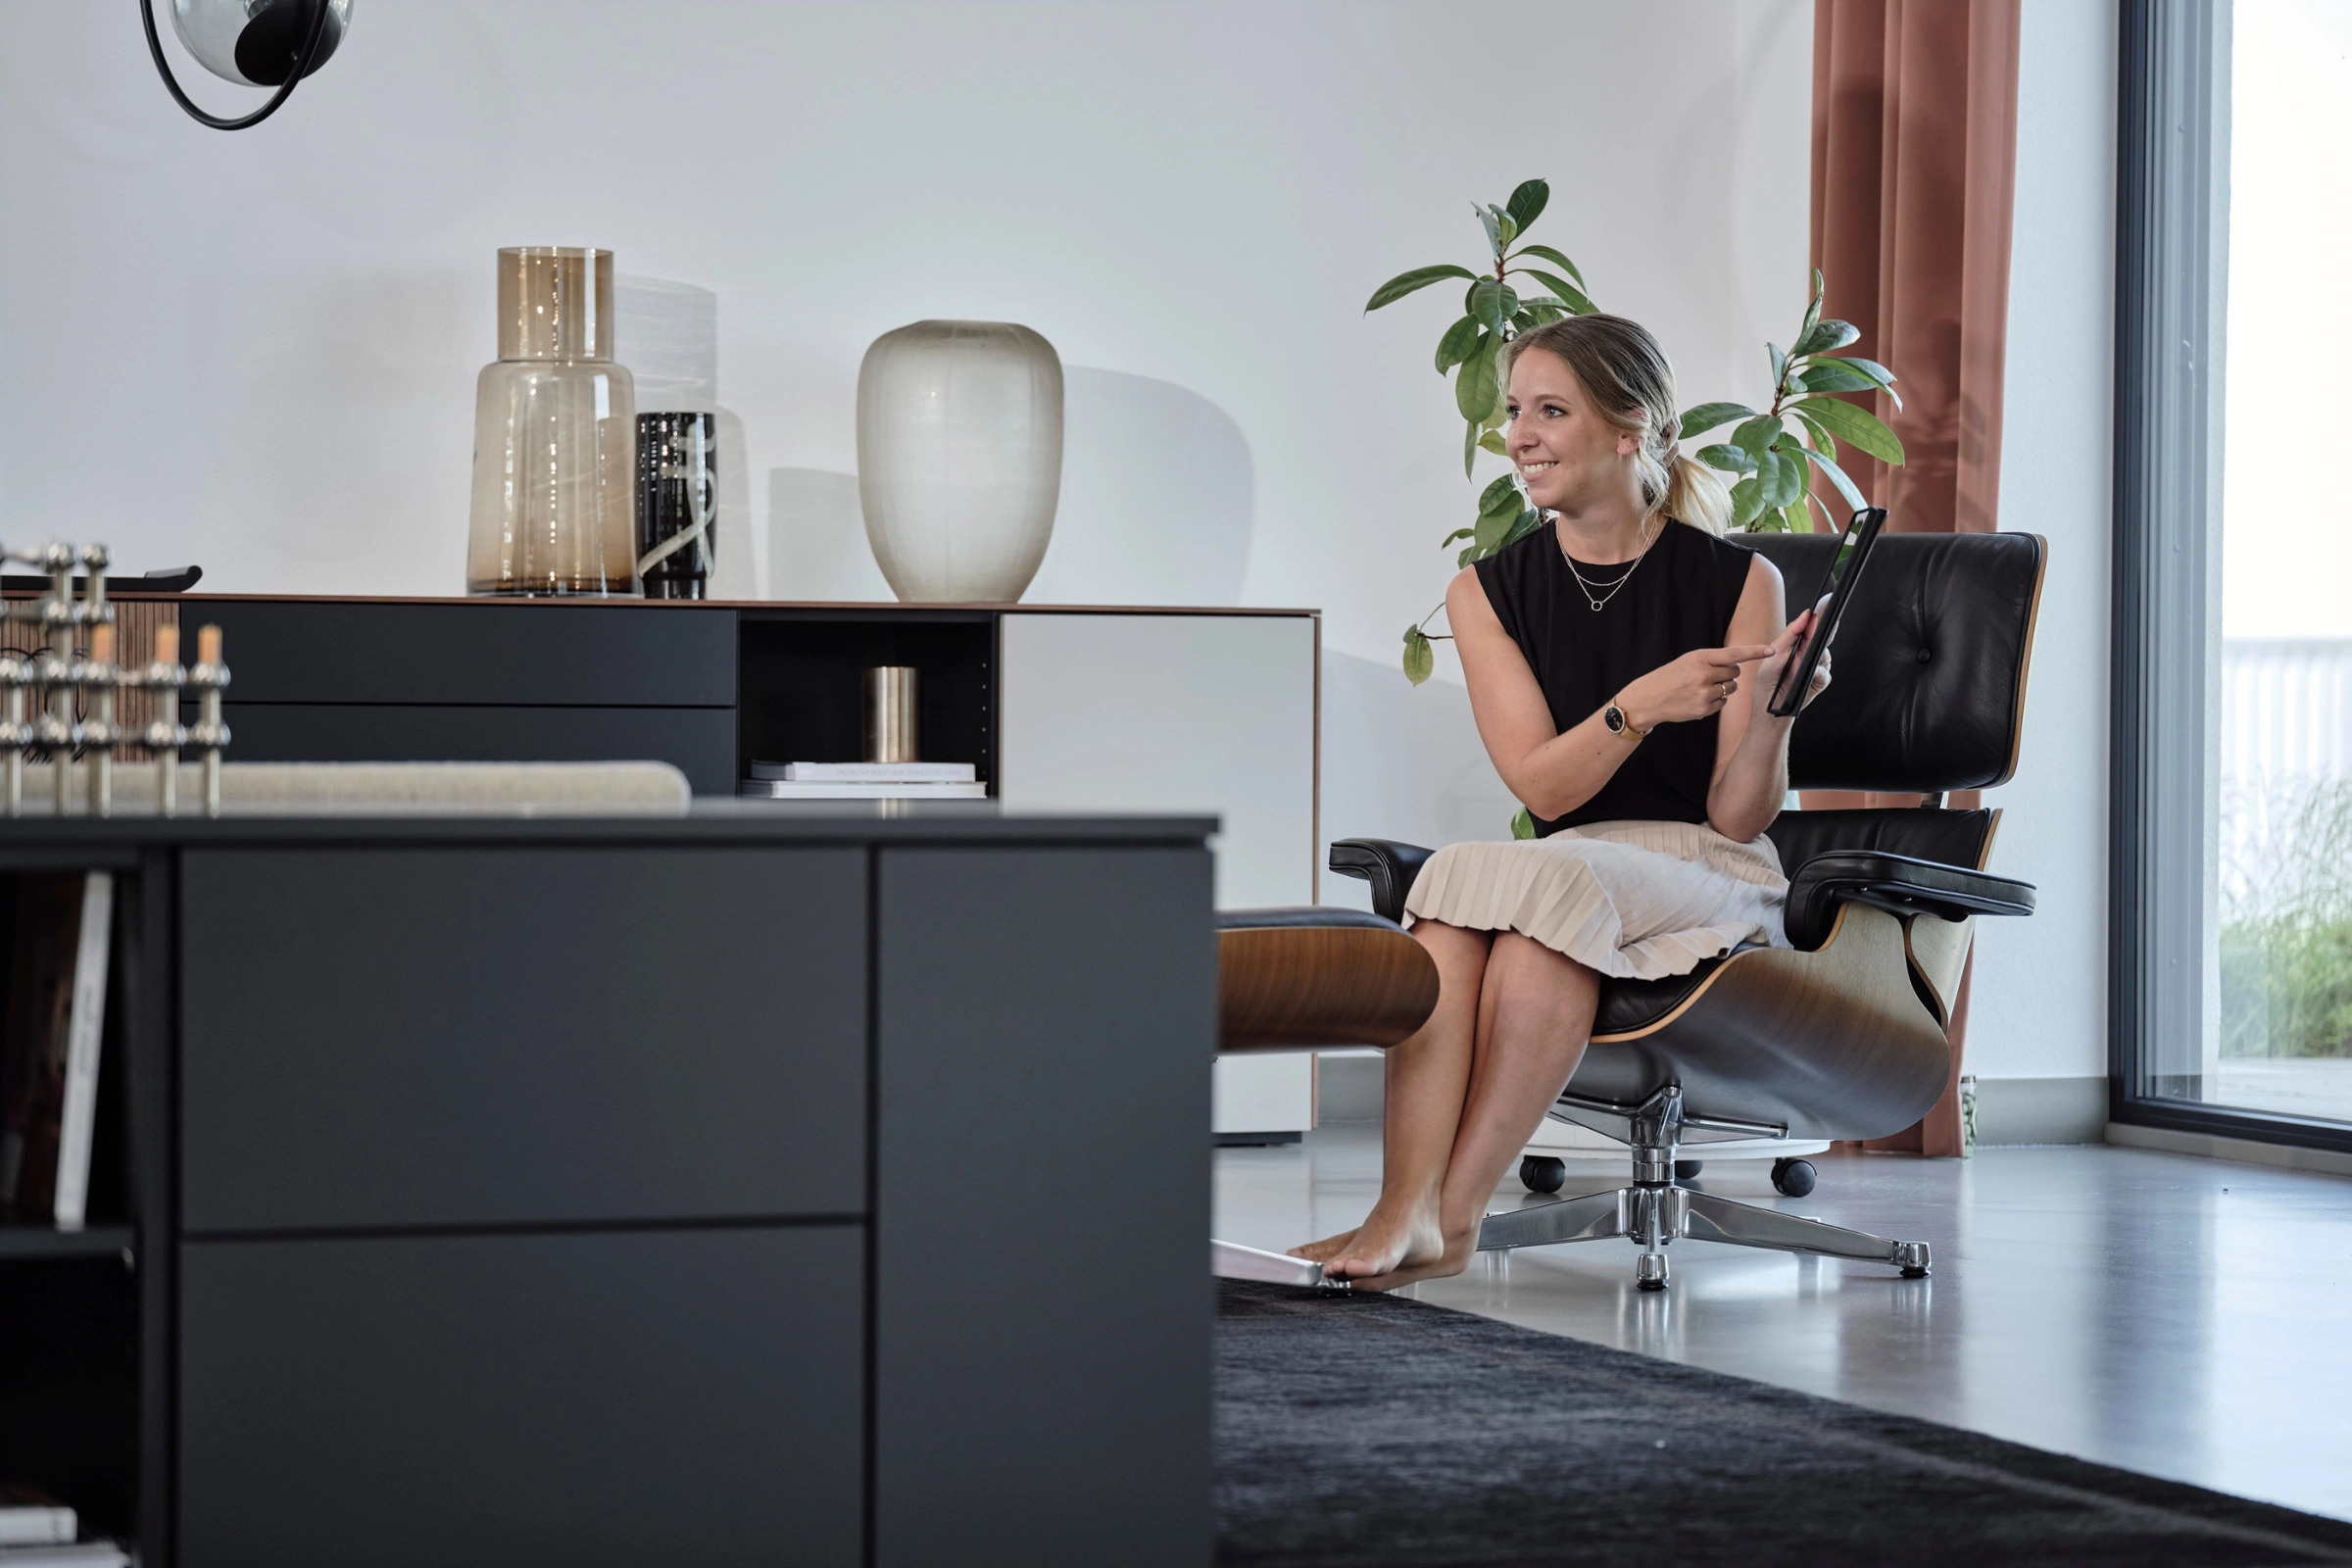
x=1349 y=1089
x=2244 y=1150
x=2009 y=1110
x=2042 y=1111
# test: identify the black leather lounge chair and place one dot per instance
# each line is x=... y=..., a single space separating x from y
x=1842 y=1036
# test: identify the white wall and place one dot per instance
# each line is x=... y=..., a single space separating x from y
x=2038 y=1007
x=257 y=351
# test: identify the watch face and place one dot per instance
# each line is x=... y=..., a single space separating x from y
x=1614 y=718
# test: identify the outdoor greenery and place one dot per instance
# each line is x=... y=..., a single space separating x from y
x=1765 y=459
x=2286 y=923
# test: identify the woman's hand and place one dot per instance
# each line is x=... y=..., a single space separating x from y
x=1783 y=649
x=1691 y=687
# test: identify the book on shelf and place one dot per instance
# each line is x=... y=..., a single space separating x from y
x=51 y=1027
x=866 y=772
x=787 y=789
x=66 y=1554
x=29 y=1518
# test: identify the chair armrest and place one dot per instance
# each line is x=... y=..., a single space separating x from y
x=1896 y=883
x=1388 y=865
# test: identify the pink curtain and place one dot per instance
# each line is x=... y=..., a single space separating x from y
x=1914 y=164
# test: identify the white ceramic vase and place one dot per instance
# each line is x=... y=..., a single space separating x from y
x=959 y=457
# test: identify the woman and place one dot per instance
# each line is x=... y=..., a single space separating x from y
x=1612 y=657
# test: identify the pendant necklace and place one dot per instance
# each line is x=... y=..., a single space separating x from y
x=1621 y=577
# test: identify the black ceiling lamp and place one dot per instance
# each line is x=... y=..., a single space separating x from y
x=255 y=43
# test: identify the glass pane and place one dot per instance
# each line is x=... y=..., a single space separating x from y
x=2279 y=950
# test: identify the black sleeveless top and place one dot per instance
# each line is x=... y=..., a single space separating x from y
x=1680 y=597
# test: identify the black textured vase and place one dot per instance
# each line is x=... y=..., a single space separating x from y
x=677 y=504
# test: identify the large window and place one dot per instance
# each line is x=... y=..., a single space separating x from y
x=2234 y=759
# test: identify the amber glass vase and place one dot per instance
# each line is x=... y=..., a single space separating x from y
x=555 y=435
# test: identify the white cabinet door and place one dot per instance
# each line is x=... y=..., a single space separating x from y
x=1176 y=712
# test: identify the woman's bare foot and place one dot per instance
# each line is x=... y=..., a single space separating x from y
x=1389 y=1242
x=1329 y=1246
x=1453 y=1260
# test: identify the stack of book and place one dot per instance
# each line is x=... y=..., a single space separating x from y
x=38 y=1532
x=864 y=781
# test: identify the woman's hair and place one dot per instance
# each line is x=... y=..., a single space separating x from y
x=1630 y=383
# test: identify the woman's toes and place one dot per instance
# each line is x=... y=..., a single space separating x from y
x=1325 y=1249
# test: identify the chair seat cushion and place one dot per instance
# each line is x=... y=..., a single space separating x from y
x=1628 y=1006
x=1307 y=977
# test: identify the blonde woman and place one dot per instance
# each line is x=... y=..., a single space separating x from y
x=1614 y=658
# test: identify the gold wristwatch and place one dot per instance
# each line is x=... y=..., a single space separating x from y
x=1614 y=716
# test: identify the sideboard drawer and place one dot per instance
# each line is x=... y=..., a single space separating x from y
x=427 y=1036
x=534 y=652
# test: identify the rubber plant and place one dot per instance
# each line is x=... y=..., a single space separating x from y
x=1765 y=459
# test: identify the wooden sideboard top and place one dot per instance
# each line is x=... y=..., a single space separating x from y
x=878 y=607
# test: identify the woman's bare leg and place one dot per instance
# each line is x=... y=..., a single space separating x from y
x=1427 y=1079
x=1534 y=1017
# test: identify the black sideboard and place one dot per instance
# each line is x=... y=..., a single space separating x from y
x=763 y=1186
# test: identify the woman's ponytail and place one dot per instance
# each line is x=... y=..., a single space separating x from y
x=1696 y=495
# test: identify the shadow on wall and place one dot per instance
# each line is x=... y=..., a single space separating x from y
x=1401 y=761
x=1157 y=507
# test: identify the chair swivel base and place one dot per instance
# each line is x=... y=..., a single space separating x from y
x=1653 y=1211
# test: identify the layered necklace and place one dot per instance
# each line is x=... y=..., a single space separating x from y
x=1597 y=597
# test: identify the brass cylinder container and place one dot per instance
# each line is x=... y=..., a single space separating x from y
x=891 y=705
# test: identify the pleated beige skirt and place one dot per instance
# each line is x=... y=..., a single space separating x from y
x=1637 y=901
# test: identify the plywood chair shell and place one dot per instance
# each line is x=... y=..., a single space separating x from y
x=1288 y=988
x=1834 y=1043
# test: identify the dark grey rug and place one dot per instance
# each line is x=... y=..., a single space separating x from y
x=1367 y=1430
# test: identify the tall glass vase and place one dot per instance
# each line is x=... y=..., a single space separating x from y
x=555 y=435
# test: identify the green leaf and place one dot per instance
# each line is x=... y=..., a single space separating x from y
x=1492 y=527
x=1837 y=477
x=1729 y=459
x=1491 y=220
x=1800 y=515
x=1877 y=375
x=1526 y=203
x=1747 y=499
x=1420 y=659
x=1821 y=436
x=1470 y=443
x=1460 y=339
x=1544 y=309
x=1707 y=416
x=1528 y=521
x=1495 y=494
x=1779 y=364
x=1403 y=284
x=1547 y=253
x=1757 y=435
x=1474 y=384
x=1780 y=478
x=1500 y=415
x=1458 y=533
x=1523 y=824
x=1469 y=553
x=1833 y=375
x=1523 y=322
x=1850 y=424
x=1492 y=441
x=1812 y=311
x=1569 y=294
x=1486 y=303
x=1828 y=335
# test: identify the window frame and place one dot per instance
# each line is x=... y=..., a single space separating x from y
x=2171 y=301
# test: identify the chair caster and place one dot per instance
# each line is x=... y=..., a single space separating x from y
x=1684 y=1169
x=1540 y=1173
x=1912 y=1256
x=1792 y=1178
x=1649 y=1272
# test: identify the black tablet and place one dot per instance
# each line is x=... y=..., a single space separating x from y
x=1837 y=587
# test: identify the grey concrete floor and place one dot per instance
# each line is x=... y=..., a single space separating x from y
x=2182 y=1317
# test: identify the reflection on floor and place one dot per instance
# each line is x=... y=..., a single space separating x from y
x=2182 y=1317
x=2293 y=1086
